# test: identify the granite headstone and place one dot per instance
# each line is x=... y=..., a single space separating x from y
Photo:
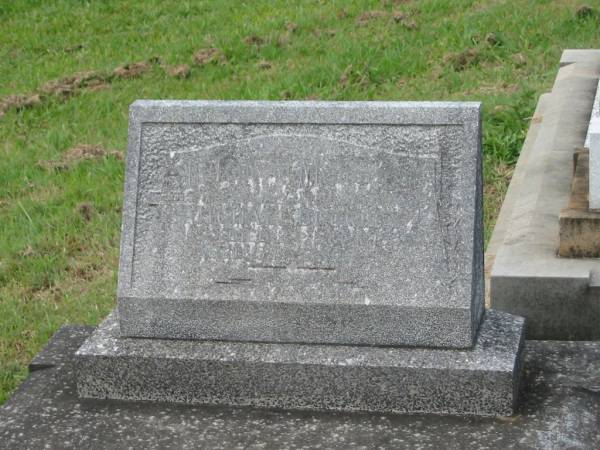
x=307 y=222
x=294 y=254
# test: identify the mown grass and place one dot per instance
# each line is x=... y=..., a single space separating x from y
x=60 y=225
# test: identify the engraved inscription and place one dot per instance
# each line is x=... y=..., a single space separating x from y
x=279 y=214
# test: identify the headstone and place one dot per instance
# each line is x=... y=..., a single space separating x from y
x=592 y=142
x=305 y=255
x=349 y=223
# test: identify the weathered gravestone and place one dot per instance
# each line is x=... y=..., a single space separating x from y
x=341 y=223
x=261 y=233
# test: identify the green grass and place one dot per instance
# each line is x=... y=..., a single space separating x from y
x=57 y=267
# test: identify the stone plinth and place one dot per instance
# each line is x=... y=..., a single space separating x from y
x=479 y=381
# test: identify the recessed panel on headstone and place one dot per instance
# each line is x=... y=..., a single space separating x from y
x=313 y=222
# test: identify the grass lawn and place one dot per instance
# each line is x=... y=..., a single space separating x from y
x=62 y=137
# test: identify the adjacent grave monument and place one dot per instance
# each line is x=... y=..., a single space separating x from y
x=543 y=254
x=579 y=222
x=592 y=142
x=310 y=255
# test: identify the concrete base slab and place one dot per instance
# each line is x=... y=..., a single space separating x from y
x=559 y=408
x=479 y=381
x=559 y=297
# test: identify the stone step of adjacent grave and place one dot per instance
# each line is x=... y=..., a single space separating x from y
x=592 y=142
x=313 y=222
x=579 y=226
x=480 y=381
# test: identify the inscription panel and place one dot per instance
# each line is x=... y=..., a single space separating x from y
x=331 y=213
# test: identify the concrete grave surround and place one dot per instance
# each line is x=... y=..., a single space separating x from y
x=559 y=408
x=559 y=297
x=310 y=222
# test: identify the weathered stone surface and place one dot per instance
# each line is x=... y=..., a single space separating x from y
x=503 y=221
x=559 y=408
x=322 y=222
x=478 y=381
x=54 y=354
x=579 y=55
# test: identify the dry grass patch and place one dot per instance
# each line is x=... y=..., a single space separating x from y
x=263 y=64
x=79 y=153
x=496 y=184
x=132 y=70
x=399 y=17
x=85 y=210
x=210 y=55
x=69 y=85
x=368 y=16
x=179 y=71
x=18 y=102
x=254 y=40
x=463 y=60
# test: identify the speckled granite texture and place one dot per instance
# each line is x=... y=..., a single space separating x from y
x=480 y=381
x=559 y=408
x=307 y=222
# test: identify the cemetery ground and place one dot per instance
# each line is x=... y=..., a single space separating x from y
x=69 y=70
